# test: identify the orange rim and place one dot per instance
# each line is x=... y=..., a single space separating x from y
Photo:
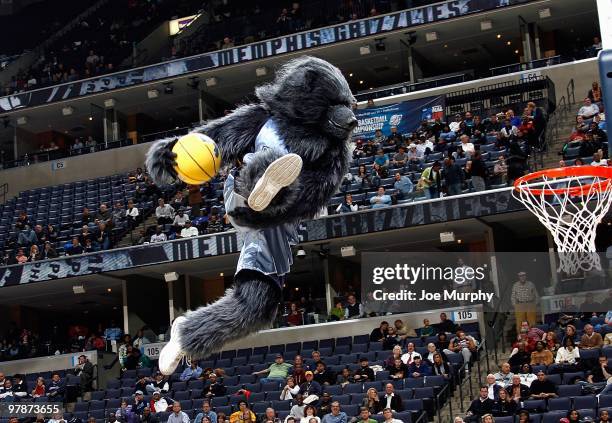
x=560 y=172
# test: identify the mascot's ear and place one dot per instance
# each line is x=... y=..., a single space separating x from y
x=310 y=79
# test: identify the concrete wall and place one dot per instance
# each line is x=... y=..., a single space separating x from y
x=77 y=168
x=583 y=72
x=343 y=328
x=45 y=364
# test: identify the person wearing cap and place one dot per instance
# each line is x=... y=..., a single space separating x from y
x=311 y=386
x=379 y=139
x=192 y=372
x=364 y=373
x=158 y=403
x=277 y=372
x=188 y=230
x=177 y=415
x=524 y=297
x=139 y=403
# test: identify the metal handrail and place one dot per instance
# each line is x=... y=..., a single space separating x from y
x=3 y=192
x=445 y=388
x=422 y=418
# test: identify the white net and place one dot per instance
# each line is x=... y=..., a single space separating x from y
x=570 y=207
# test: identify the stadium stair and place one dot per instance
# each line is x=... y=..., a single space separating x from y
x=131 y=237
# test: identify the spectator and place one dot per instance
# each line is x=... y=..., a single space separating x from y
x=363 y=177
x=34 y=253
x=394 y=137
x=456 y=124
x=516 y=390
x=590 y=339
x=277 y=371
x=149 y=417
x=27 y=237
x=336 y=416
x=158 y=236
x=390 y=400
x=541 y=355
x=567 y=357
x=378 y=334
x=542 y=388
x=364 y=373
x=195 y=200
x=493 y=386
x=290 y=390
x=504 y=405
x=178 y=416
x=214 y=387
x=440 y=367
x=588 y=111
x=104 y=214
x=158 y=383
x=103 y=237
x=308 y=388
x=56 y=389
x=410 y=355
x=453 y=176
x=158 y=403
x=465 y=345
x=347 y=206
x=206 y=413
x=164 y=212
x=337 y=313
x=294 y=317
x=323 y=375
x=297 y=410
x=480 y=406
x=504 y=376
x=524 y=298
x=419 y=368
x=381 y=199
x=430 y=181
x=180 y=219
x=39 y=389
x=477 y=169
x=189 y=231
x=192 y=372
x=404 y=186
x=364 y=416
x=131 y=214
x=353 y=309
x=84 y=371
x=269 y=416
x=595 y=95
x=521 y=355
x=118 y=214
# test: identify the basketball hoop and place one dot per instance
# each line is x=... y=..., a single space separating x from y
x=569 y=202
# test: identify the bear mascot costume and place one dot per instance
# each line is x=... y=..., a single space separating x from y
x=288 y=154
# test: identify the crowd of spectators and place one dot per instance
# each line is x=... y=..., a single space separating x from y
x=572 y=350
x=443 y=158
x=587 y=142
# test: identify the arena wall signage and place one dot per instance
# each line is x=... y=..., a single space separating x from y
x=406 y=116
x=287 y=44
x=229 y=243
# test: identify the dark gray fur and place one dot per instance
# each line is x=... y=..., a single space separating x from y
x=310 y=102
x=247 y=307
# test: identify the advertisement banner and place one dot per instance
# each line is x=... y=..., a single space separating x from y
x=406 y=116
x=256 y=51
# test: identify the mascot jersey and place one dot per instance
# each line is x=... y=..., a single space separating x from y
x=265 y=250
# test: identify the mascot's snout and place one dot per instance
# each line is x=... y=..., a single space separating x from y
x=342 y=118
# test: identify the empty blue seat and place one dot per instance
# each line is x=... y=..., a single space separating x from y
x=353 y=388
x=413 y=405
x=569 y=390
x=559 y=404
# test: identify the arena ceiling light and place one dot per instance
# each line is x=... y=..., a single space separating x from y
x=300 y=253
x=261 y=71
x=67 y=111
x=348 y=251
x=153 y=94
x=486 y=25
x=544 y=13
x=22 y=120
x=78 y=289
x=447 y=237
x=109 y=103
x=365 y=50
x=431 y=36
x=211 y=82
x=171 y=276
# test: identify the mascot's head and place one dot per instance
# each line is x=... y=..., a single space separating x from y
x=311 y=92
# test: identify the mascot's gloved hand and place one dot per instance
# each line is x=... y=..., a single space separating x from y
x=161 y=160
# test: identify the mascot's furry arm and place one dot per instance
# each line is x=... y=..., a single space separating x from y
x=234 y=134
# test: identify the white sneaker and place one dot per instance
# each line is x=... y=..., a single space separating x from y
x=279 y=174
x=171 y=355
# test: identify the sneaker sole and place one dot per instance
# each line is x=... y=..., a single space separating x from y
x=279 y=174
x=171 y=355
